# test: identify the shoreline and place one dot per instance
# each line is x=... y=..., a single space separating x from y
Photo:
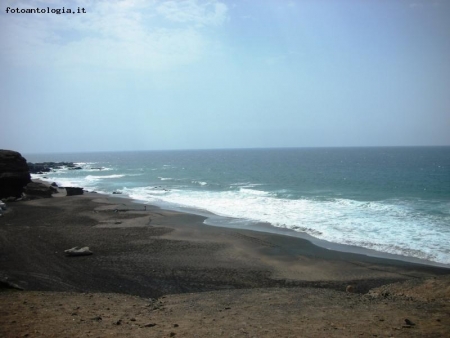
x=211 y=219
x=269 y=229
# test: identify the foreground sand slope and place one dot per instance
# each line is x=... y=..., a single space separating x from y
x=287 y=312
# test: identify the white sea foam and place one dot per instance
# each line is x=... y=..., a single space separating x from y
x=89 y=181
x=392 y=227
x=96 y=170
x=84 y=163
x=200 y=183
x=96 y=178
x=245 y=184
x=253 y=192
x=149 y=194
x=66 y=182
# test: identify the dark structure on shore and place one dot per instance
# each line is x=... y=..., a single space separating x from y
x=14 y=174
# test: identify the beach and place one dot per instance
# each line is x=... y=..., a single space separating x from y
x=382 y=200
x=156 y=272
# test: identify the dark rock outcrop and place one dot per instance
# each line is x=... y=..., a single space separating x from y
x=45 y=167
x=72 y=191
x=38 y=190
x=14 y=173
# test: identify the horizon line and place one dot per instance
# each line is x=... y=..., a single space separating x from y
x=243 y=148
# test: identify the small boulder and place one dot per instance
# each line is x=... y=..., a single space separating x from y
x=149 y=325
x=408 y=322
x=350 y=289
x=54 y=185
x=76 y=251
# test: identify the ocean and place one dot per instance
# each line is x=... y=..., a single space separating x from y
x=393 y=200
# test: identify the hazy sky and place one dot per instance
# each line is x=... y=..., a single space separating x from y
x=138 y=75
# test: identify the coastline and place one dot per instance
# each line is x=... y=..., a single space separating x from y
x=176 y=260
x=212 y=219
x=400 y=220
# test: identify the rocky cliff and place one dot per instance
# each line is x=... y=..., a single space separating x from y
x=14 y=174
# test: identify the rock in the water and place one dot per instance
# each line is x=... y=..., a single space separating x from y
x=2 y=206
x=72 y=191
x=54 y=185
x=45 y=167
x=76 y=251
x=14 y=174
x=36 y=190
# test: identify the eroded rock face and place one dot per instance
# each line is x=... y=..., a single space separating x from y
x=14 y=173
x=36 y=190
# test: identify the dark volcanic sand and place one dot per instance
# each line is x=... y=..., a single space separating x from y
x=265 y=278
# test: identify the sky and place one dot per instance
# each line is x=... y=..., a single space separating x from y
x=195 y=74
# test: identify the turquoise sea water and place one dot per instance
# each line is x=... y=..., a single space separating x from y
x=391 y=199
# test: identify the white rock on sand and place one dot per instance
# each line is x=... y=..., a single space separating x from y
x=76 y=251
